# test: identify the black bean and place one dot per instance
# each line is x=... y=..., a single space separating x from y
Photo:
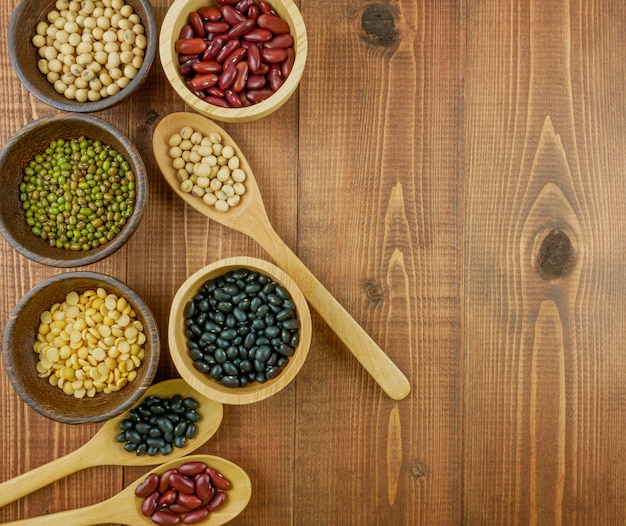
x=165 y=425
x=202 y=366
x=272 y=372
x=292 y=323
x=157 y=442
x=216 y=371
x=190 y=309
x=180 y=441
x=221 y=295
x=263 y=353
x=190 y=403
x=230 y=381
x=220 y=356
x=180 y=429
x=191 y=430
x=230 y=369
x=133 y=436
x=155 y=432
x=228 y=334
x=284 y=314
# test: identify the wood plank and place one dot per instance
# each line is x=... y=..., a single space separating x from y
x=543 y=363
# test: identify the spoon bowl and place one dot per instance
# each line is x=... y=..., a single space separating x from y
x=250 y=218
x=104 y=450
x=125 y=507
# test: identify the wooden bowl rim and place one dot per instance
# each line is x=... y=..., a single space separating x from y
x=49 y=96
x=170 y=27
x=203 y=383
x=151 y=362
x=80 y=258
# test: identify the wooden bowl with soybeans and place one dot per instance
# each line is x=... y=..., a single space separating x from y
x=81 y=347
x=82 y=56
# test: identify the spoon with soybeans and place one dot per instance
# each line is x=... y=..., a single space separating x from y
x=126 y=507
x=245 y=212
x=103 y=449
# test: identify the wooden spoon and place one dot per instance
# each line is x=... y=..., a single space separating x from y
x=250 y=218
x=125 y=508
x=104 y=450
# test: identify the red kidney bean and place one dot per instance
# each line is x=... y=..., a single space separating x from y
x=227 y=49
x=165 y=518
x=243 y=5
x=257 y=34
x=254 y=58
x=182 y=483
x=215 y=92
x=164 y=483
x=227 y=77
x=287 y=64
x=187 y=31
x=148 y=486
x=273 y=77
x=187 y=69
x=217 y=479
x=204 y=81
x=167 y=498
x=210 y=12
x=235 y=57
x=177 y=508
x=273 y=23
x=259 y=95
x=195 y=516
x=263 y=69
x=189 y=469
x=214 y=47
x=204 y=489
x=255 y=81
x=191 y=46
x=283 y=41
x=253 y=12
x=185 y=58
x=231 y=15
x=242 y=77
x=232 y=98
x=227 y=2
x=148 y=506
x=241 y=28
x=207 y=66
x=265 y=7
x=217 y=101
x=216 y=27
x=217 y=501
x=191 y=502
x=273 y=55
x=196 y=22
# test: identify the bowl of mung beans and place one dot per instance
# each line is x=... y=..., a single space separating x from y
x=239 y=330
x=74 y=190
x=82 y=56
x=233 y=61
x=81 y=347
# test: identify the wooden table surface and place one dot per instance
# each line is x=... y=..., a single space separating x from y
x=454 y=173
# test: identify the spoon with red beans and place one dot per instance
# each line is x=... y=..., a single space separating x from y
x=198 y=489
x=250 y=218
x=106 y=447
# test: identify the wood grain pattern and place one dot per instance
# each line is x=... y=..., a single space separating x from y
x=452 y=172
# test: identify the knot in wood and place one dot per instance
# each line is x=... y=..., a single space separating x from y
x=379 y=25
x=555 y=257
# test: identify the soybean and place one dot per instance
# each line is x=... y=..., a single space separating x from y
x=241 y=327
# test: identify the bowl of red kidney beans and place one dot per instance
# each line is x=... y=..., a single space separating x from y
x=233 y=60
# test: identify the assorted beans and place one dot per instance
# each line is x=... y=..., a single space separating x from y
x=207 y=168
x=90 y=50
x=185 y=495
x=90 y=343
x=241 y=327
x=235 y=54
x=158 y=425
x=78 y=193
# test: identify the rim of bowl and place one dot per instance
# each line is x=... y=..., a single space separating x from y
x=150 y=328
x=169 y=34
x=202 y=382
x=93 y=255
x=58 y=101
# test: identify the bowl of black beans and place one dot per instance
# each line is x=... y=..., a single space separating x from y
x=74 y=190
x=239 y=330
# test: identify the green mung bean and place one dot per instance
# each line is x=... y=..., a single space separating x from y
x=77 y=194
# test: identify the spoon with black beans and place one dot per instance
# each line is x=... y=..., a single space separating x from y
x=108 y=447
x=126 y=508
x=250 y=218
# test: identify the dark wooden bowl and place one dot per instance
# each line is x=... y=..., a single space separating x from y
x=20 y=359
x=24 y=55
x=33 y=139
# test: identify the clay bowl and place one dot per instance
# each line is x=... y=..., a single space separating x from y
x=20 y=360
x=34 y=138
x=179 y=342
x=25 y=57
x=177 y=17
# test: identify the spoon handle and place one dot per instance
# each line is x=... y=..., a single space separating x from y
x=380 y=367
x=43 y=475
x=94 y=514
